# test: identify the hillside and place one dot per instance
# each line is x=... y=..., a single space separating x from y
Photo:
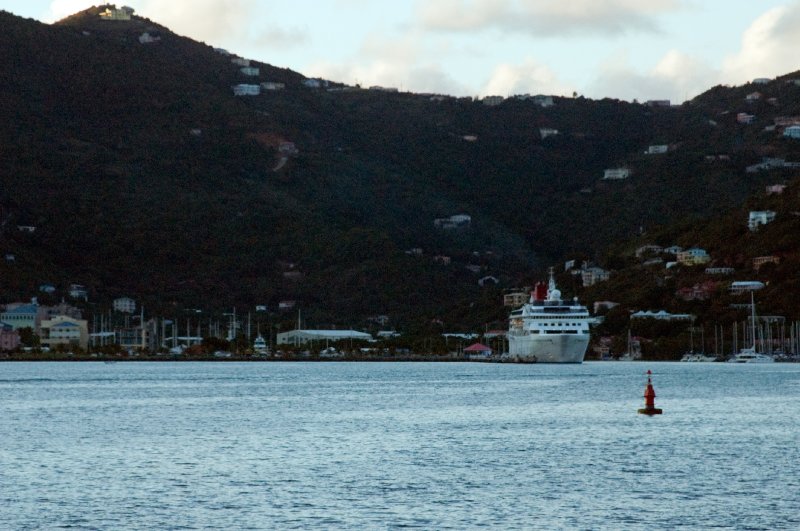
x=145 y=176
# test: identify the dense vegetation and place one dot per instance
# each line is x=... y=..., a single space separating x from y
x=102 y=155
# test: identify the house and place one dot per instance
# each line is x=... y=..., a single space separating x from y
x=786 y=121
x=78 y=291
x=491 y=101
x=124 y=305
x=303 y=337
x=9 y=338
x=515 y=299
x=30 y=229
x=315 y=83
x=767 y=163
x=744 y=118
x=64 y=330
x=222 y=51
x=658 y=103
x=739 y=287
x=544 y=132
x=593 y=275
x=776 y=189
x=753 y=96
x=719 y=271
x=758 y=218
x=441 y=259
x=261 y=307
x=112 y=13
x=249 y=70
x=470 y=138
x=414 y=251
x=543 y=101
x=761 y=260
x=47 y=288
x=240 y=61
x=762 y=80
x=792 y=131
x=674 y=249
x=288 y=149
x=273 y=85
x=457 y=221
x=489 y=278
x=698 y=292
x=10 y=257
x=243 y=89
x=616 y=174
x=693 y=256
x=147 y=38
x=657 y=149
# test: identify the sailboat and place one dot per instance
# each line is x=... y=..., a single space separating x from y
x=749 y=354
x=693 y=356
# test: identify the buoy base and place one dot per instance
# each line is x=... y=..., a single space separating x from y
x=650 y=411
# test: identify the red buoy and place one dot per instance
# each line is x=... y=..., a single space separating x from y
x=650 y=398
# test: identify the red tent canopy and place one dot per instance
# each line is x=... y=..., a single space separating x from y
x=478 y=347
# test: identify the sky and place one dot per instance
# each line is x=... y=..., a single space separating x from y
x=625 y=49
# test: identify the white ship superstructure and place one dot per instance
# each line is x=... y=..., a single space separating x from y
x=548 y=329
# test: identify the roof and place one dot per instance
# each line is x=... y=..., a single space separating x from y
x=478 y=347
x=64 y=325
x=25 y=308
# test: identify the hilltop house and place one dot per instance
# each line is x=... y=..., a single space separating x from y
x=758 y=218
x=491 y=101
x=543 y=101
x=693 y=256
x=147 y=38
x=762 y=80
x=315 y=83
x=592 y=275
x=112 y=13
x=657 y=149
x=240 y=61
x=249 y=70
x=792 y=131
x=762 y=260
x=742 y=286
x=272 y=85
x=658 y=103
x=616 y=174
x=243 y=89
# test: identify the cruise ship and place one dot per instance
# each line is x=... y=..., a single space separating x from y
x=548 y=329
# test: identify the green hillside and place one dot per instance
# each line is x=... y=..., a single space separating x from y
x=145 y=176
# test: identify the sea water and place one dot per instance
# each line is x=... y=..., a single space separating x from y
x=398 y=445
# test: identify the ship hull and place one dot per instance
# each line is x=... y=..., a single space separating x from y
x=548 y=348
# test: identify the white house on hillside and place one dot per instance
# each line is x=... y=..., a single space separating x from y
x=243 y=89
x=124 y=305
x=616 y=174
x=758 y=218
x=792 y=131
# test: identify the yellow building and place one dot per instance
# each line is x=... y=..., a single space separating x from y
x=63 y=330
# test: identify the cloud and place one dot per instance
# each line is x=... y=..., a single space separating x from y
x=63 y=8
x=544 y=17
x=529 y=77
x=676 y=77
x=769 y=46
x=212 y=21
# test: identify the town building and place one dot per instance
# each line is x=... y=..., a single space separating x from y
x=744 y=118
x=305 y=337
x=457 y=221
x=758 y=218
x=78 y=291
x=515 y=299
x=9 y=338
x=124 y=305
x=63 y=330
x=692 y=257
x=698 y=292
x=662 y=315
x=592 y=275
x=544 y=132
x=543 y=101
x=22 y=315
x=775 y=189
x=719 y=271
x=240 y=61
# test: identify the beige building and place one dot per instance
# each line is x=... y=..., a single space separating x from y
x=63 y=330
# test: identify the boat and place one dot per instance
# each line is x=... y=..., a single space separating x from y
x=260 y=346
x=548 y=329
x=749 y=354
x=693 y=356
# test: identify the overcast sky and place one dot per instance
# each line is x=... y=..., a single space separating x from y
x=627 y=49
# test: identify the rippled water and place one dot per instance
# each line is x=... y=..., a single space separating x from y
x=380 y=445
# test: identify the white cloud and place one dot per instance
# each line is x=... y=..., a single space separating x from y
x=676 y=77
x=545 y=17
x=63 y=8
x=769 y=46
x=529 y=77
